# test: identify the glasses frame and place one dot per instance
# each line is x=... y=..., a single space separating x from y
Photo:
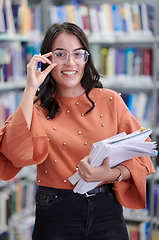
x=68 y=54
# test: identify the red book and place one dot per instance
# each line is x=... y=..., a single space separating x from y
x=84 y=13
x=147 y=62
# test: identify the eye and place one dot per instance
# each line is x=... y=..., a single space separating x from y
x=78 y=54
x=60 y=54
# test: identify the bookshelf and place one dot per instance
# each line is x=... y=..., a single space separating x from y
x=18 y=43
x=144 y=87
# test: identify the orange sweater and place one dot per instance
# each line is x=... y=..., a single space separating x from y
x=57 y=145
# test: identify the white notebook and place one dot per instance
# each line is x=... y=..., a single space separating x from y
x=119 y=148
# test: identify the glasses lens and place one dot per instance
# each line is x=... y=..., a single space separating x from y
x=80 y=56
x=59 y=56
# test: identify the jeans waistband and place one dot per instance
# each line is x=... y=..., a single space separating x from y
x=100 y=189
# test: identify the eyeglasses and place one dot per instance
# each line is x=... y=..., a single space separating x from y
x=61 y=56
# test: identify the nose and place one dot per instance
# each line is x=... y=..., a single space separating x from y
x=70 y=59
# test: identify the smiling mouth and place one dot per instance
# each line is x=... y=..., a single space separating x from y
x=69 y=73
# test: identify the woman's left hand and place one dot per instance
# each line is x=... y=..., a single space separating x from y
x=102 y=173
x=94 y=174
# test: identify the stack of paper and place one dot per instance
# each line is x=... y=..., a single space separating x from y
x=119 y=148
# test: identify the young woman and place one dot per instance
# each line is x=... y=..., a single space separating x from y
x=56 y=130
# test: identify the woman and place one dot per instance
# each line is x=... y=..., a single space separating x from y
x=70 y=112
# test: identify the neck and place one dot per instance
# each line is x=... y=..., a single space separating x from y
x=71 y=92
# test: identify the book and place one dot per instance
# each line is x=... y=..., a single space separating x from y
x=147 y=62
x=151 y=17
x=96 y=54
x=94 y=19
x=108 y=12
x=103 y=21
x=2 y=22
x=15 y=10
x=117 y=20
x=70 y=13
x=138 y=62
x=84 y=14
x=136 y=17
x=128 y=17
x=110 y=62
x=123 y=18
x=129 y=61
x=144 y=19
x=119 y=63
x=103 y=57
x=52 y=15
x=8 y=17
x=142 y=99
x=25 y=17
x=147 y=115
x=37 y=21
x=119 y=148
x=61 y=13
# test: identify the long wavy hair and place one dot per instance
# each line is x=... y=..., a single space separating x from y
x=47 y=91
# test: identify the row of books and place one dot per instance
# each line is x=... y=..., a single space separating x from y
x=143 y=215
x=14 y=58
x=19 y=17
x=140 y=105
x=139 y=231
x=16 y=203
x=111 y=61
x=106 y=19
x=23 y=230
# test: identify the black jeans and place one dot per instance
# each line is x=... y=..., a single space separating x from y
x=64 y=215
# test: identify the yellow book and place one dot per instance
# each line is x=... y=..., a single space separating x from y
x=110 y=62
x=25 y=17
x=109 y=17
x=70 y=13
x=136 y=16
x=103 y=56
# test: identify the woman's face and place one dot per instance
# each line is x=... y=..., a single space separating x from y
x=68 y=75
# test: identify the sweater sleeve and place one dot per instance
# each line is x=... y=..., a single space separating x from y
x=132 y=193
x=19 y=146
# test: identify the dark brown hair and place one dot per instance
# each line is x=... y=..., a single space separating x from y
x=90 y=77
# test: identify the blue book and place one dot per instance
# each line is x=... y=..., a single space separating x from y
x=117 y=20
x=15 y=11
x=151 y=17
x=123 y=18
x=37 y=18
x=131 y=103
x=61 y=13
x=119 y=61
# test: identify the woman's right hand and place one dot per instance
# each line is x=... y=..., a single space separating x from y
x=35 y=77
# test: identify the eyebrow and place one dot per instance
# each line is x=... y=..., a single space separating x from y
x=66 y=50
